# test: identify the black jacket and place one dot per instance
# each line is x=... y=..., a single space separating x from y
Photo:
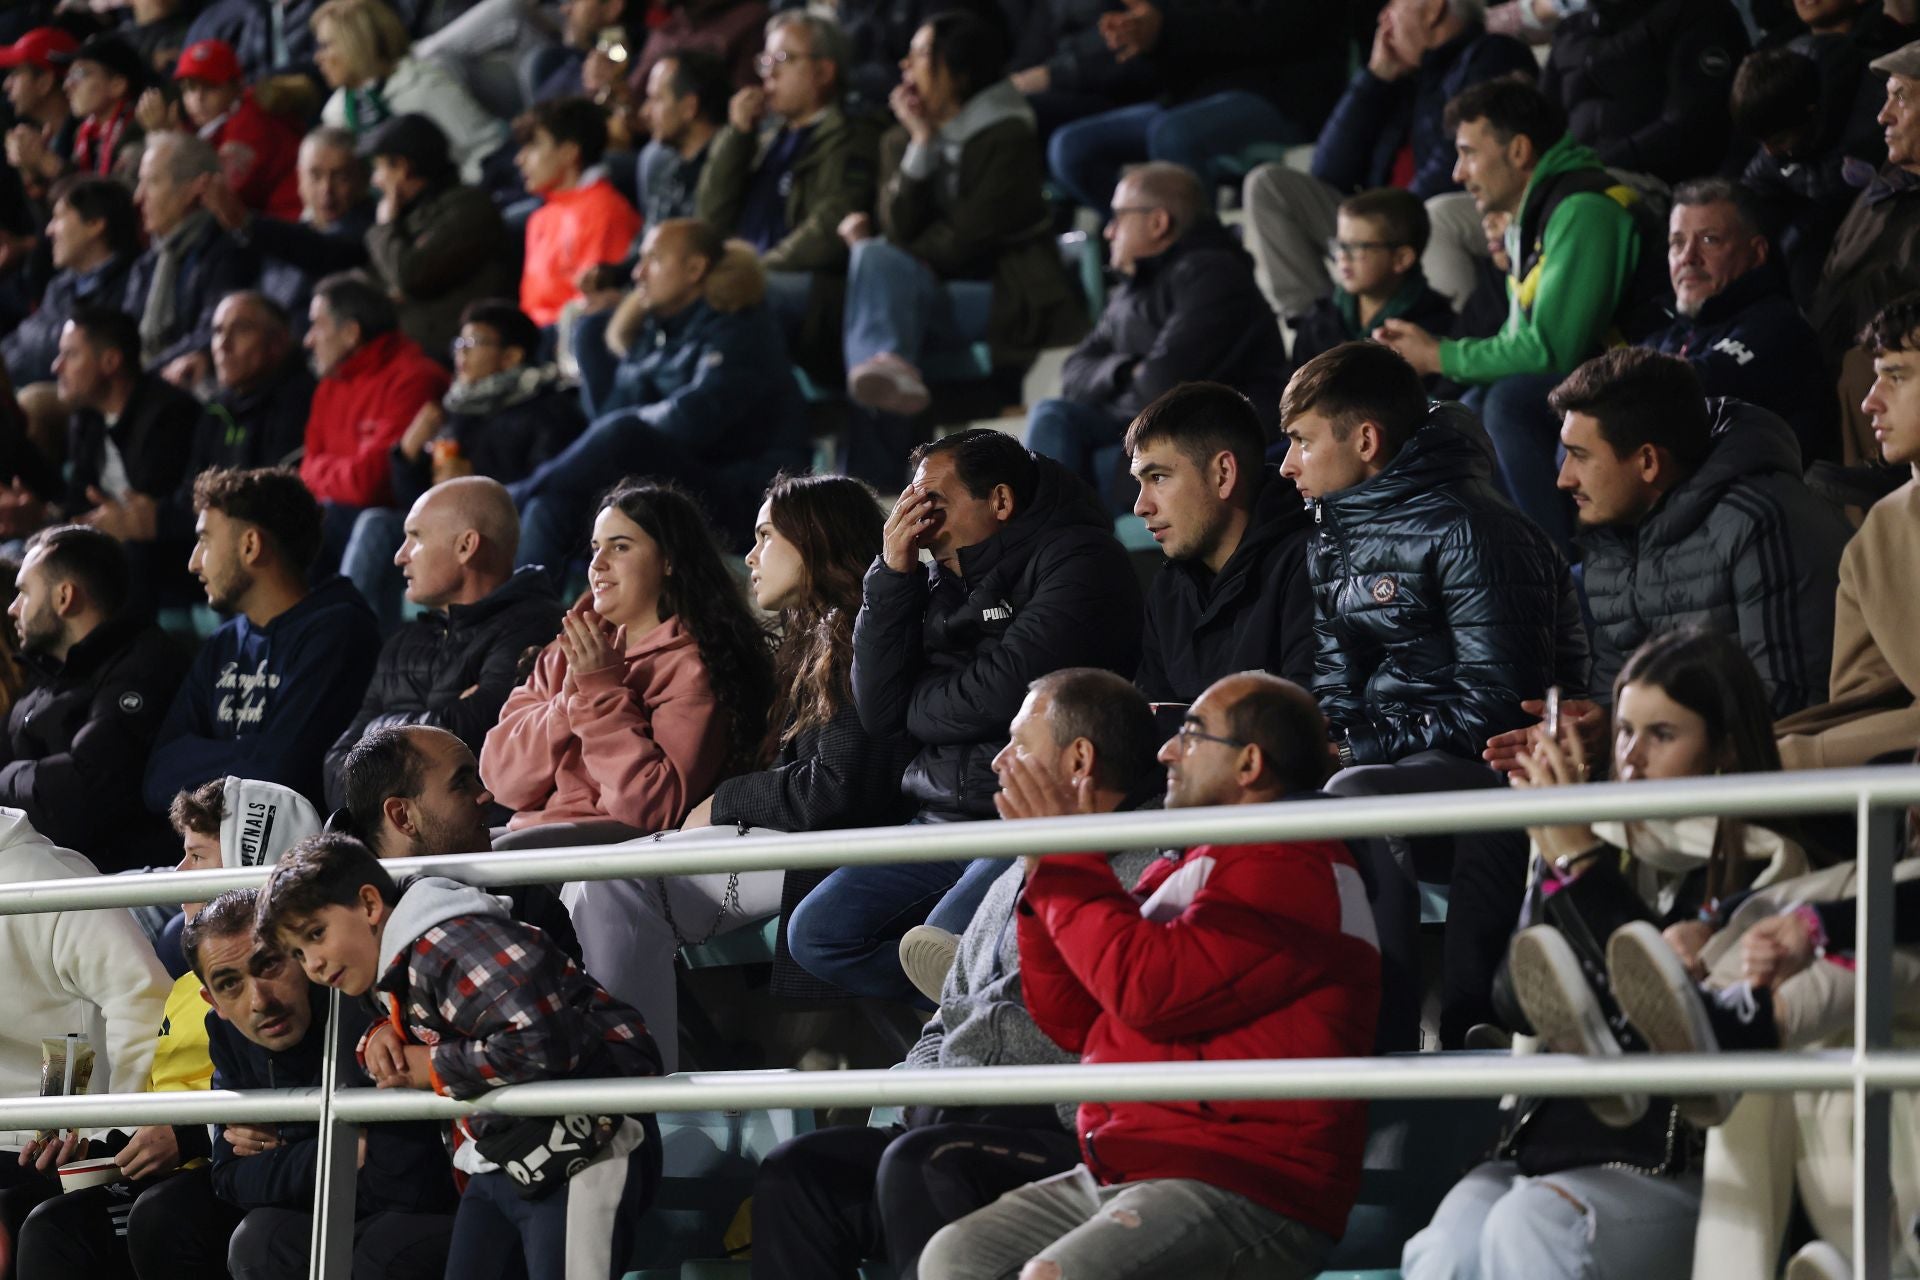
x=215 y=266
x=29 y=350
x=154 y=435
x=1741 y=545
x=1438 y=607
x=78 y=741
x=261 y=427
x=1192 y=313
x=1750 y=342
x=1335 y=318
x=427 y=666
x=505 y=445
x=946 y=658
x=834 y=776
x=294 y=256
x=1645 y=82
x=1256 y=614
x=406 y=1168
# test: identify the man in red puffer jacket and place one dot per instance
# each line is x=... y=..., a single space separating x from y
x=1222 y=952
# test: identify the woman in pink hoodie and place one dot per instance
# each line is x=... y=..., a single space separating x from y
x=656 y=687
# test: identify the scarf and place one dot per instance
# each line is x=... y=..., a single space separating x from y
x=157 y=321
x=365 y=108
x=501 y=390
x=95 y=143
x=1664 y=851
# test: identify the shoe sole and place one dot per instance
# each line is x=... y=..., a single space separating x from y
x=926 y=954
x=1554 y=992
x=1819 y=1261
x=883 y=394
x=1659 y=998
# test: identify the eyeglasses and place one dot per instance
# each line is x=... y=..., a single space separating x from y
x=468 y=344
x=1191 y=733
x=1354 y=248
x=764 y=63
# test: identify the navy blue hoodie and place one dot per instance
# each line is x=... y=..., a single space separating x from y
x=267 y=702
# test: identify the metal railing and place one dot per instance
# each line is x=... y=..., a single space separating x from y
x=1870 y=1070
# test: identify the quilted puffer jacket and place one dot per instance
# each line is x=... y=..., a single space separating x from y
x=1438 y=607
x=1741 y=545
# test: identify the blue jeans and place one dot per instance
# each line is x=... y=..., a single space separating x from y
x=1526 y=435
x=895 y=303
x=368 y=563
x=1086 y=156
x=1082 y=438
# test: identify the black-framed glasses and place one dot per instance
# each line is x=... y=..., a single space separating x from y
x=1190 y=733
x=468 y=344
x=1354 y=248
x=766 y=62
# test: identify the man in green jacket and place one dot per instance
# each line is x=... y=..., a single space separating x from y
x=1572 y=248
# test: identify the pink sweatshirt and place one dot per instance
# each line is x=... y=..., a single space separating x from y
x=637 y=744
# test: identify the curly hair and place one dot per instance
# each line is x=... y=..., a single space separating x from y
x=704 y=594
x=835 y=523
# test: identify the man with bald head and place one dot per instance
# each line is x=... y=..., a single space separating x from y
x=454 y=666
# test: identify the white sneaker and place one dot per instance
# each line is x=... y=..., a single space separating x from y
x=1565 y=1012
x=1819 y=1261
x=887 y=384
x=1664 y=1004
x=926 y=953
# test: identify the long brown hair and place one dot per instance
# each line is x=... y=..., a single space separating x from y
x=835 y=523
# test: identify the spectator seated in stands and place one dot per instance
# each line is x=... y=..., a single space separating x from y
x=1693 y=511
x=435 y=245
x=268 y=1030
x=1611 y=1185
x=1026 y=578
x=192 y=264
x=815 y=769
x=95 y=236
x=258 y=151
x=454 y=666
x=1378 y=239
x=1066 y=69
x=1735 y=322
x=481 y=1001
x=1644 y=82
x=1233 y=594
x=963 y=251
x=1188 y=310
x=267 y=38
x=583 y=221
x=684 y=110
x=1218 y=952
x=374 y=380
x=277 y=682
x=414 y=791
x=686 y=380
x=553 y=71
x=362 y=52
x=1573 y=248
x=77 y=743
x=39 y=145
x=656 y=687
x=826 y=1201
x=162 y=1217
x=791 y=164
x=1876 y=662
x=104 y=76
x=1387 y=130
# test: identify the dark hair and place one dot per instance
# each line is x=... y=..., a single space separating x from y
x=565 y=120
x=273 y=500
x=1895 y=327
x=1201 y=420
x=1106 y=710
x=324 y=870
x=227 y=915
x=352 y=298
x=1359 y=382
x=1402 y=215
x=705 y=76
x=1512 y=105
x=1704 y=191
x=705 y=595
x=383 y=764
x=1710 y=674
x=1775 y=92
x=96 y=199
x=985 y=459
x=1285 y=722
x=971 y=48
x=200 y=809
x=95 y=560
x=108 y=329
x=515 y=327
x=1640 y=397
x=835 y=523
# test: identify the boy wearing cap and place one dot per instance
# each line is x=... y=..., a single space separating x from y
x=258 y=151
x=104 y=76
x=39 y=146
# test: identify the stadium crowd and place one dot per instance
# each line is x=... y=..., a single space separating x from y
x=441 y=426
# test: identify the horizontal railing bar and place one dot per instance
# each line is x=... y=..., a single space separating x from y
x=1783 y=794
x=1419 y=1076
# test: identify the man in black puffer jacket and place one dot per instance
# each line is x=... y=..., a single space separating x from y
x=1692 y=512
x=1027 y=578
x=454 y=667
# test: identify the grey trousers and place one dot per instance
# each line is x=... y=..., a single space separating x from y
x=1072 y=1228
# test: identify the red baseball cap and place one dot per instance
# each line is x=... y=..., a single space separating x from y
x=38 y=48
x=208 y=61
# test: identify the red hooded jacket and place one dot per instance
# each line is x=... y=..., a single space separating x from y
x=259 y=153
x=1226 y=952
x=360 y=410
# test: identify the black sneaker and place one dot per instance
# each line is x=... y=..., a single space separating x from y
x=1563 y=1008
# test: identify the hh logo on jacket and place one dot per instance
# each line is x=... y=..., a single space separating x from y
x=243 y=696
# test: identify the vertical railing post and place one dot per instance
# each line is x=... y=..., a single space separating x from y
x=1881 y=830
x=338 y=1166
